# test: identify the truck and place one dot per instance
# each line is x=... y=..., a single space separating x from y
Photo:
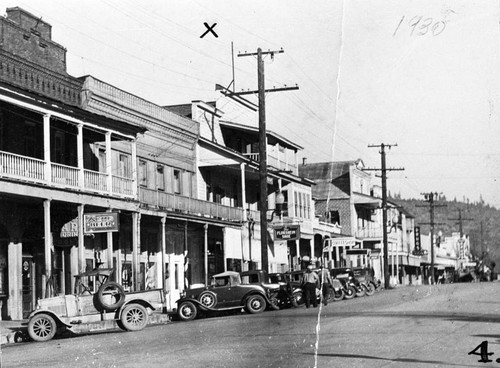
x=110 y=303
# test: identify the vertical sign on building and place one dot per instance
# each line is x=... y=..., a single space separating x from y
x=418 y=245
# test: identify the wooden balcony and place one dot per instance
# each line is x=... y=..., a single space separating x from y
x=274 y=162
x=190 y=206
x=33 y=170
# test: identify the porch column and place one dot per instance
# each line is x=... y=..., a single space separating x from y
x=109 y=177
x=224 y=253
x=134 y=168
x=297 y=248
x=397 y=260
x=136 y=228
x=243 y=191
x=81 y=244
x=163 y=253
x=109 y=249
x=79 y=154
x=311 y=245
x=205 y=256
x=47 y=249
x=46 y=148
x=337 y=262
x=15 y=301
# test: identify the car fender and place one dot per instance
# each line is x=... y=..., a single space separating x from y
x=52 y=314
x=195 y=302
x=142 y=302
x=255 y=292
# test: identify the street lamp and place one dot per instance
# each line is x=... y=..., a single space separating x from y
x=279 y=201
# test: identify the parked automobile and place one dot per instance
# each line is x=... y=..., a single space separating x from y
x=110 y=303
x=225 y=292
x=346 y=278
x=366 y=277
x=261 y=277
x=293 y=280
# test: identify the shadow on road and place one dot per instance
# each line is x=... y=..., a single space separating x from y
x=464 y=317
x=402 y=360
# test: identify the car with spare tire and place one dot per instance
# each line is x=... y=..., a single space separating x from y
x=225 y=292
x=97 y=303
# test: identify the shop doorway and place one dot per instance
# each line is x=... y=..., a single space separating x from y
x=28 y=284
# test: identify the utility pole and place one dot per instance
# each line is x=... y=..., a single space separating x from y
x=431 y=197
x=384 y=170
x=460 y=221
x=262 y=145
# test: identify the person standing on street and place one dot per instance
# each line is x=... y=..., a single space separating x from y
x=326 y=283
x=309 y=281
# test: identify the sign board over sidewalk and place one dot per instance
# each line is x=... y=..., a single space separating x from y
x=332 y=243
x=101 y=222
x=290 y=232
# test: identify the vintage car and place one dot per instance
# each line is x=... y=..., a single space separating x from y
x=96 y=301
x=261 y=277
x=225 y=292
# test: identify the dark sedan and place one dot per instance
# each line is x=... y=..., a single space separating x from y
x=226 y=292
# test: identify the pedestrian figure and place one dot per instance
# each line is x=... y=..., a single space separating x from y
x=326 y=283
x=309 y=281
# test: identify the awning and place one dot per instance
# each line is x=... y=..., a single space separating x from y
x=366 y=200
x=364 y=252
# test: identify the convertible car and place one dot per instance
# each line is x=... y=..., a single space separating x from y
x=225 y=292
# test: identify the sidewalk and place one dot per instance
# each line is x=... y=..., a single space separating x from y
x=13 y=331
x=17 y=331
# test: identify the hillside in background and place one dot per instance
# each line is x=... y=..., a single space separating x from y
x=479 y=220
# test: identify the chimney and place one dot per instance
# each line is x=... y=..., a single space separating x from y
x=304 y=161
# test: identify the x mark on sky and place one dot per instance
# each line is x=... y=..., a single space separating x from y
x=209 y=29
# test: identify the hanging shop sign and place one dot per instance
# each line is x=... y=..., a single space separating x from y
x=101 y=222
x=290 y=232
x=70 y=229
x=333 y=243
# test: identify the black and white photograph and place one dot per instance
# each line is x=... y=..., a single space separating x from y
x=249 y=183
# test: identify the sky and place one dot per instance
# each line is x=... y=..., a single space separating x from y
x=421 y=75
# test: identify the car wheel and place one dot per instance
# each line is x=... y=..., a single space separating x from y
x=299 y=297
x=255 y=304
x=208 y=299
x=42 y=327
x=134 y=317
x=110 y=296
x=350 y=292
x=370 y=289
x=275 y=301
x=187 y=311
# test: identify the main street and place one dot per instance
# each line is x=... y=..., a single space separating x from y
x=417 y=326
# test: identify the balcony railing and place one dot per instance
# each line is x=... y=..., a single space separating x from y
x=33 y=170
x=21 y=167
x=272 y=161
x=191 y=206
x=369 y=232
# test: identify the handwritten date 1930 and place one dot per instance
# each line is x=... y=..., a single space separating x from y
x=420 y=26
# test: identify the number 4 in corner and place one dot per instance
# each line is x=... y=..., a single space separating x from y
x=483 y=352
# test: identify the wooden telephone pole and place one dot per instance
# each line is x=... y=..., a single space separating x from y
x=384 y=170
x=431 y=197
x=261 y=92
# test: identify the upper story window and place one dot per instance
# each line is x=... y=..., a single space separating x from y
x=177 y=182
x=102 y=160
x=160 y=177
x=143 y=173
x=124 y=165
x=30 y=139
